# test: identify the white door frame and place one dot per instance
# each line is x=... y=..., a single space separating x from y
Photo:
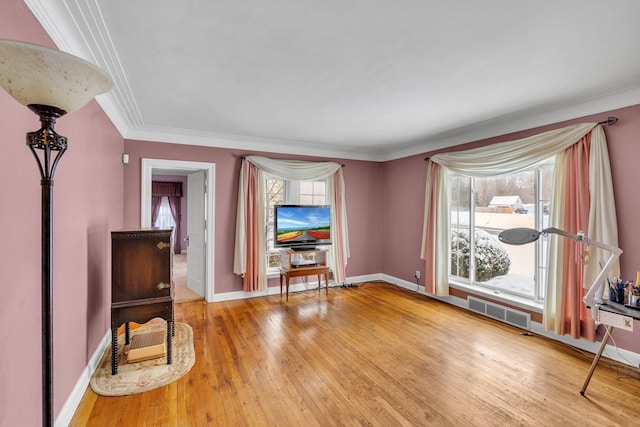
x=148 y=165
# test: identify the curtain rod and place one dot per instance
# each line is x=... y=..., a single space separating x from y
x=609 y=122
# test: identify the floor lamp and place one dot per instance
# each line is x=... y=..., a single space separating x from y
x=50 y=83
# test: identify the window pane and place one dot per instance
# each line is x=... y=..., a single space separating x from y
x=312 y=192
x=484 y=207
x=306 y=187
x=544 y=209
x=306 y=199
x=320 y=188
x=504 y=202
x=274 y=195
x=459 y=199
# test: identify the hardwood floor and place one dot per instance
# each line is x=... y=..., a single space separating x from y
x=377 y=355
x=179 y=278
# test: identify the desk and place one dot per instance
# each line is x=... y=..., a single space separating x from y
x=614 y=316
x=287 y=273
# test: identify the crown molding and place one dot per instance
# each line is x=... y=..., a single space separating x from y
x=78 y=28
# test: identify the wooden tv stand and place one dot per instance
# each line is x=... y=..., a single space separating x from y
x=305 y=263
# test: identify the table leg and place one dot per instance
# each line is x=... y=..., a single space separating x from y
x=326 y=282
x=605 y=339
x=280 y=285
x=287 y=285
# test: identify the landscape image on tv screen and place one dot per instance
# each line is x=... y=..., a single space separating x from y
x=303 y=224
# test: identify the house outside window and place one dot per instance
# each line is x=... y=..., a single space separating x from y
x=483 y=207
x=280 y=191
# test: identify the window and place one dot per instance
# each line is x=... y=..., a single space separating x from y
x=280 y=191
x=165 y=218
x=482 y=208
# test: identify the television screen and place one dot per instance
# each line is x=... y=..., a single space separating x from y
x=299 y=226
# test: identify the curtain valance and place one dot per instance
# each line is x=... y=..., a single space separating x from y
x=168 y=189
x=512 y=156
x=298 y=170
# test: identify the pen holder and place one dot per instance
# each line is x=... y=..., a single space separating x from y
x=634 y=299
x=616 y=295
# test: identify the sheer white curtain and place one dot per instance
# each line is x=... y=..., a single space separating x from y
x=509 y=157
x=165 y=219
x=291 y=170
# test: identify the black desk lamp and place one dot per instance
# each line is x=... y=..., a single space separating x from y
x=51 y=83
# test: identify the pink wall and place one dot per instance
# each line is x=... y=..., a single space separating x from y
x=403 y=193
x=365 y=210
x=403 y=183
x=87 y=204
x=363 y=204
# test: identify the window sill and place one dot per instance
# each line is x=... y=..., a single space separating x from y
x=496 y=295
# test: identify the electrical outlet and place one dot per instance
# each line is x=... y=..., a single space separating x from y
x=417 y=274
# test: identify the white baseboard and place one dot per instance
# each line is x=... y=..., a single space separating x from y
x=273 y=290
x=73 y=401
x=612 y=352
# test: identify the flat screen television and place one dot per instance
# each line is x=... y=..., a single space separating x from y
x=302 y=227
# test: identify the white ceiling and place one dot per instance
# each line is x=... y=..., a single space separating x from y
x=361 y=79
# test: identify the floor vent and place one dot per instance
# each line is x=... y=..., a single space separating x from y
x=504 y=314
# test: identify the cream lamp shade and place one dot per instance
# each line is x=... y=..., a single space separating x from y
x=34 y=74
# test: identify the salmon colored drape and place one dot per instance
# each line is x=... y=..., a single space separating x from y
x=251 y=276
x=574 y=318
x=429 y=251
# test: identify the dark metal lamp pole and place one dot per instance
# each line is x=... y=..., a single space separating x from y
x=49 y=141
x=51 y=83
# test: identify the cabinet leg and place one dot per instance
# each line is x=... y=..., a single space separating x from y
x=114 y=351
x=127 y=333
x=169 y=343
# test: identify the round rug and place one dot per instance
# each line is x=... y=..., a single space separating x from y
x=133 y=378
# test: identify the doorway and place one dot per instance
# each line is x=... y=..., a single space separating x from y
x=201 y=178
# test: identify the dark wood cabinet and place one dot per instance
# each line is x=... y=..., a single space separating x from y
x=141 y=287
